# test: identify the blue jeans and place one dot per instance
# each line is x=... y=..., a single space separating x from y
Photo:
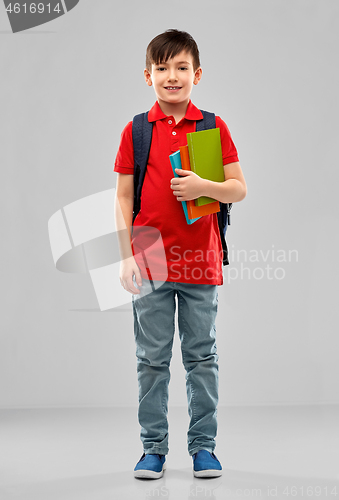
x=154 y=332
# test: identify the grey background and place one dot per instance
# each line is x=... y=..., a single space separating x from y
x=67 y=90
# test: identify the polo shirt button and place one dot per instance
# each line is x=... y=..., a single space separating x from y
x=174 y=132
x=170 y=121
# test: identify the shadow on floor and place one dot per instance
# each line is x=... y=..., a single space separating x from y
x=176 y=485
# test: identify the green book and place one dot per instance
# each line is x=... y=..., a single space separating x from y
x=205 y=153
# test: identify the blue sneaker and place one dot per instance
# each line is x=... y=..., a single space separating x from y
x=206 y=464
x=150 y=466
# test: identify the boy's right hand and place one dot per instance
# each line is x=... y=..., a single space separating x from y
x=128 y=269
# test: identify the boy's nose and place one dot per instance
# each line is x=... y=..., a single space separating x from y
x=172 y=76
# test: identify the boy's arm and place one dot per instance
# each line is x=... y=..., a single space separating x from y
x=123 y=221
x=190 y=186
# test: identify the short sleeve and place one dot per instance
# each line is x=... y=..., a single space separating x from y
x=229 y=151
x=124 y=161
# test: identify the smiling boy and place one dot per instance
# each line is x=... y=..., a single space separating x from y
x=172 y=68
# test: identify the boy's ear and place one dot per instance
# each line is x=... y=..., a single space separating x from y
x=197 y=76
x=148 y=77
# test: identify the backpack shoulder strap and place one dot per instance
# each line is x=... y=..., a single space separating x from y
x=207 y=122
x=142 y=138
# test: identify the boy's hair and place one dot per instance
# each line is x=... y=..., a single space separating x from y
x=169 y=44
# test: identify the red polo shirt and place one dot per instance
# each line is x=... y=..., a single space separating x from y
x=193 y=252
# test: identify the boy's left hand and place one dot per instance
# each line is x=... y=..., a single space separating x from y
x=188 y=187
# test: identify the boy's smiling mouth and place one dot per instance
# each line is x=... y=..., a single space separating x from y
x=172 y=89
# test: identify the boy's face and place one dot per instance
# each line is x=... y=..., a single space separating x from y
x=173 y=80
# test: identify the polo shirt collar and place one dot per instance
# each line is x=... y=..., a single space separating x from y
x=192 y=113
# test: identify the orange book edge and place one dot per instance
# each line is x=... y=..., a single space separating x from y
x=193 y=210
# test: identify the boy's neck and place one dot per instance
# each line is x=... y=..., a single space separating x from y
x=177 y=110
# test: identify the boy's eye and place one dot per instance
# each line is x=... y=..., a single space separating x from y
x=183 y=68
x=161 y=69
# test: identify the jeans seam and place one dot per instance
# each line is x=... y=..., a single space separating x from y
x=136 y=323
x=194 y=413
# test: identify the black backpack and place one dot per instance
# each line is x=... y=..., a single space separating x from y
x=142 y=137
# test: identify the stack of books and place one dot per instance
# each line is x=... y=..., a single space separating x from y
x=202 y=155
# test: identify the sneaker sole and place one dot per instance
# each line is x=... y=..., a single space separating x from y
x=207 y=473
x=149 y=474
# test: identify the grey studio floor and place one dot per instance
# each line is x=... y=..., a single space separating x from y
x=266 y=452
